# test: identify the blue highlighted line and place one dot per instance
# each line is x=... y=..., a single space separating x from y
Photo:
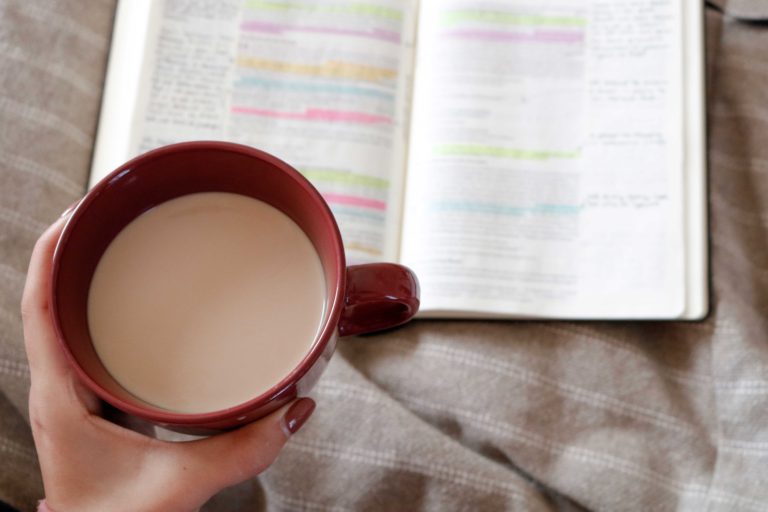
x=312 y=87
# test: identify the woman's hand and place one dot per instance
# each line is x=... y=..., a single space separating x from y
x=91 y=464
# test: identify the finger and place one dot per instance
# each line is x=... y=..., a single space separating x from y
x=230 y=458
x=46 y=359
x=52 y=378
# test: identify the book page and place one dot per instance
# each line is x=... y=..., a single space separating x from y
x=697 y=254
x=322 y=85
x=546 y=159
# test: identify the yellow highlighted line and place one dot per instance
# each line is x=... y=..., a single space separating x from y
x=362 y=248
x=331 y=68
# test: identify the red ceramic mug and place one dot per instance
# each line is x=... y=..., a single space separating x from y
x=360 y=298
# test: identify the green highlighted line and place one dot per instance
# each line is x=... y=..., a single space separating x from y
x=501 y=152
x=351 y=8
x=505 y=18
x=344 y=177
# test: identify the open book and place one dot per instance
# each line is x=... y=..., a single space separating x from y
x=527 y=158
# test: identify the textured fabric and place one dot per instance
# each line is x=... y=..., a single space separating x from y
x=52 y=61
x=454 y=415
x=745 y=9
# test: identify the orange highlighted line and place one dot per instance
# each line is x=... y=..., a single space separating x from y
x=331 y=68
x=362 y=248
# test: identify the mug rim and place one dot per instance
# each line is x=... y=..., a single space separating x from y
x=325 y=334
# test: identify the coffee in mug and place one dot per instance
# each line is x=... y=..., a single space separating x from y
x=206 y=301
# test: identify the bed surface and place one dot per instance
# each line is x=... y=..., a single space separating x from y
x=447 y=415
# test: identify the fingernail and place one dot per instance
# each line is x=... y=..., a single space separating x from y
x=297 y=415
x=69 y=210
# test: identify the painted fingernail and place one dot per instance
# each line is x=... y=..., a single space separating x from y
x=297 y=415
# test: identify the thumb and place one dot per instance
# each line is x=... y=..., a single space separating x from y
x=230 y=458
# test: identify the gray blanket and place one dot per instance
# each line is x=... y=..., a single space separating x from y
x=453 y=415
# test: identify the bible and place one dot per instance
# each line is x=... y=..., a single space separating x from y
x=527 y=159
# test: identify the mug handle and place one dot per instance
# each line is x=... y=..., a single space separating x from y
x=378 y=296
